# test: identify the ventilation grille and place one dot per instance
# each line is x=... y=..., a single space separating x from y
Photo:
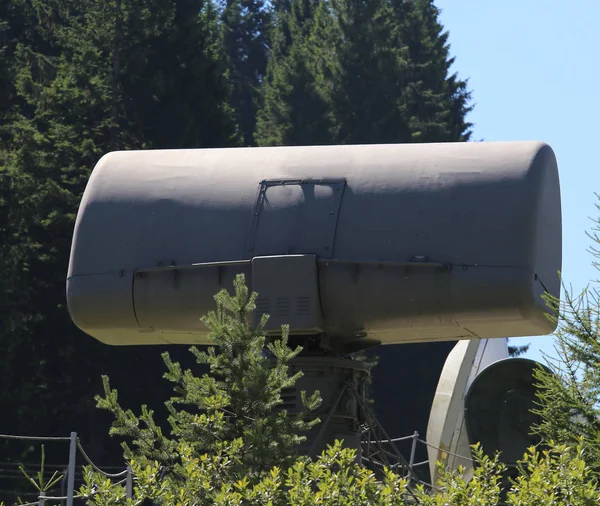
x=303 y=306
x=283 y=306
x=289 y=310
x=262 y=305
x=288 y=291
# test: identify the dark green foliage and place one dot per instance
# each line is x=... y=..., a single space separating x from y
x=436 y=102
x=245 y=28
x=236 y=401
x=281 y=5
x=175 y=92
x=81 y=78
x=295 y=105
x=350 y=71
x=371 y=73
x=38 y=180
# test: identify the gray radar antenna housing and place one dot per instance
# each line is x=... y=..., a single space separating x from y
x=357 y=245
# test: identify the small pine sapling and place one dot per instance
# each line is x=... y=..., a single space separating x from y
x=235 y=403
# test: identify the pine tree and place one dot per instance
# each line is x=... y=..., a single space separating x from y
x=60 y=125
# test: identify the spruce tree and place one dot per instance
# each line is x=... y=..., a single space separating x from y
x=370 y=73
x=295 y=108
x=236 y=403
x=245 y=28
x=87 y=78
x=350 y=72
x=436 y=101
x=175 y=90
x=40 y=172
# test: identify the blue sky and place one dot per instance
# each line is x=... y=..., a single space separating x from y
x=532 y=67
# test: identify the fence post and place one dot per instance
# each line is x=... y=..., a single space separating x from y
x=129 y=482
x=71 y=475
x=42 y=498
x=413 y=450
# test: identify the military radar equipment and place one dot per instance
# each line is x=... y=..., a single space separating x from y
x=351 y=246
x=366 y=244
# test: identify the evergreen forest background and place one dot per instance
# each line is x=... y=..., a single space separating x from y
x=80 y=78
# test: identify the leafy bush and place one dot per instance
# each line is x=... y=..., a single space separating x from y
x=555 y=477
